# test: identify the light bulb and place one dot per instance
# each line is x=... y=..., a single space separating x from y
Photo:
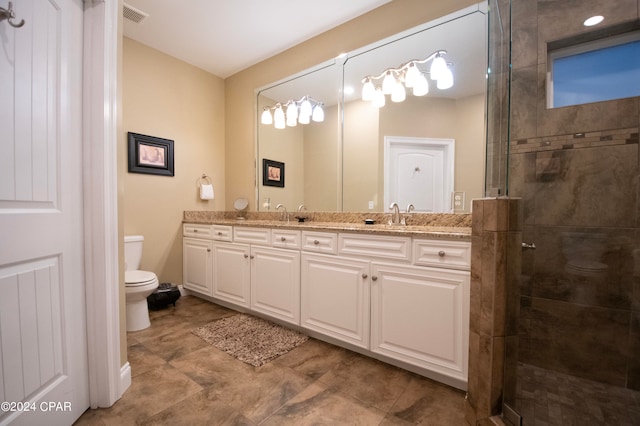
x=305 y=108
x=437 y=67
x=368 y=91
x=378 y=98
x=421 y=86
x=266 y=117
x=399 y=94
x=318 y=113
x=389 y=83
x=445 y=80
x=292 y=111
x=278 y=118
x=412 y=75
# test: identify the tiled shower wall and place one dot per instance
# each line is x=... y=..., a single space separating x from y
x=577 y=170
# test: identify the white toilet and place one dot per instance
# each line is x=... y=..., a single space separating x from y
x=138 y=284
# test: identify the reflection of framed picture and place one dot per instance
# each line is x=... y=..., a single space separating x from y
x=272 y=173
x=148 y=154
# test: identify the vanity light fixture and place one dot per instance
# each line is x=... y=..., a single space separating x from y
x=395 y=81
x=300 y=111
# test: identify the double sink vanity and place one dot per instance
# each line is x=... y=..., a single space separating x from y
x=398 y=293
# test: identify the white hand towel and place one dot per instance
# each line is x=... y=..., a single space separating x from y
x=206 y=192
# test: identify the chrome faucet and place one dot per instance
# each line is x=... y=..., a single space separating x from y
x=301 y=207
x=410 y=208
x=285 y=214
x=396 y=214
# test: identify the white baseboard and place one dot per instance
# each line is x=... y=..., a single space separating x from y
x=125 y=377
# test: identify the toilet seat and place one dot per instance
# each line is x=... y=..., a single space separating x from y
x=139 y=278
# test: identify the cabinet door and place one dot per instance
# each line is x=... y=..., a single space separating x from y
x=231 y=273
x=196 y=261
x=421 y=316
x=335 y=297
x=275 y=283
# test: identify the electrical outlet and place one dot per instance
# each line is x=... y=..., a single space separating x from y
x=370 y=205
x=458 y=201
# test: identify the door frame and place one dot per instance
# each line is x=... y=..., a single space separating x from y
x=448 y=147
x=108 y=379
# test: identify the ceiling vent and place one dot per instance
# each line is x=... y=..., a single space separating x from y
x=133 y=14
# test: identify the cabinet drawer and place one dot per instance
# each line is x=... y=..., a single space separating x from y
x=242 y=234
x=285 y=238
x=321 y=242
x=386 y=247
x=197 y=230
x=222 y=232
x=443 y=254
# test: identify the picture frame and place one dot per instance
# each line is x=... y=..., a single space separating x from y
x=150 y=155
x=272 y=173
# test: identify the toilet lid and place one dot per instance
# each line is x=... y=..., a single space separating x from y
x=132 y=278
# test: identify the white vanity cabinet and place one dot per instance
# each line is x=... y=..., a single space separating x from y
x=197 y=249
x=275 y=283
x=421 y=316
x=401 y=299
x=335 y=297
x=196 y=261
x=231 y=273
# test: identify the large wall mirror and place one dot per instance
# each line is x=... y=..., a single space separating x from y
x=427 y=150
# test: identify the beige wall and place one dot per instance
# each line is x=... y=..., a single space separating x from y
x=168 y=98
x=321 y=161
x=240 y=88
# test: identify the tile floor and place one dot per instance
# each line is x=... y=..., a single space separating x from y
x=178 y=379
x=550 y=398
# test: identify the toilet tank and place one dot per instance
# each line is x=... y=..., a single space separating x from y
x=132 y=252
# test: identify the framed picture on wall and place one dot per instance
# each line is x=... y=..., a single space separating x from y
x=150 y=155
x=272 y=173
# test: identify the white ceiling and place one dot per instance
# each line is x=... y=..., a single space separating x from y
x=224 y=37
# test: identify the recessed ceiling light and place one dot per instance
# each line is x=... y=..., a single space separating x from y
x=594 y=20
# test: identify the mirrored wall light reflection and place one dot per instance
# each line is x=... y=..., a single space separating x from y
x=395 y=81
x=300 y=111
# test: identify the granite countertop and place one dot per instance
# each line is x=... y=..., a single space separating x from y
x=448 y=226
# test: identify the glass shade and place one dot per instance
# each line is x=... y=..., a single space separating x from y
x=438 y=66
x=368 y=91
x=266 y=117
x=421 y=86
x=446 y=79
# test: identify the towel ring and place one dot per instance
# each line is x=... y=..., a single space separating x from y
x=204 y=179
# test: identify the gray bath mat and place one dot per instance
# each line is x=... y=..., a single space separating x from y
x=250 y=339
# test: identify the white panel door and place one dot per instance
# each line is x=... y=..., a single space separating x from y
x=334 y=294
x=421 y=316
x=275 y=283
x=43 y=346
x=419 y=171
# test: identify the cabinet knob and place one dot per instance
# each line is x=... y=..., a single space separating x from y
x=195 y=230
x=316 y=242
x=209 y=249
x=441 y=253
x=252 y=257
x=364 y=276
x=219 y=232
x=246 y=256
x=374 y=278
x=283 y=239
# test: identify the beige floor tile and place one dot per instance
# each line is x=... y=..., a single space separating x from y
x=150 y=393
x=142 y=359
x=320 y=405
x=203 y=408
x=371 y=381
x=313 y=358
x=174 y=345
x=178 y=379
x=427 y=402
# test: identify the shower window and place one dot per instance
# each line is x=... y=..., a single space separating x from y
x=596 y=71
